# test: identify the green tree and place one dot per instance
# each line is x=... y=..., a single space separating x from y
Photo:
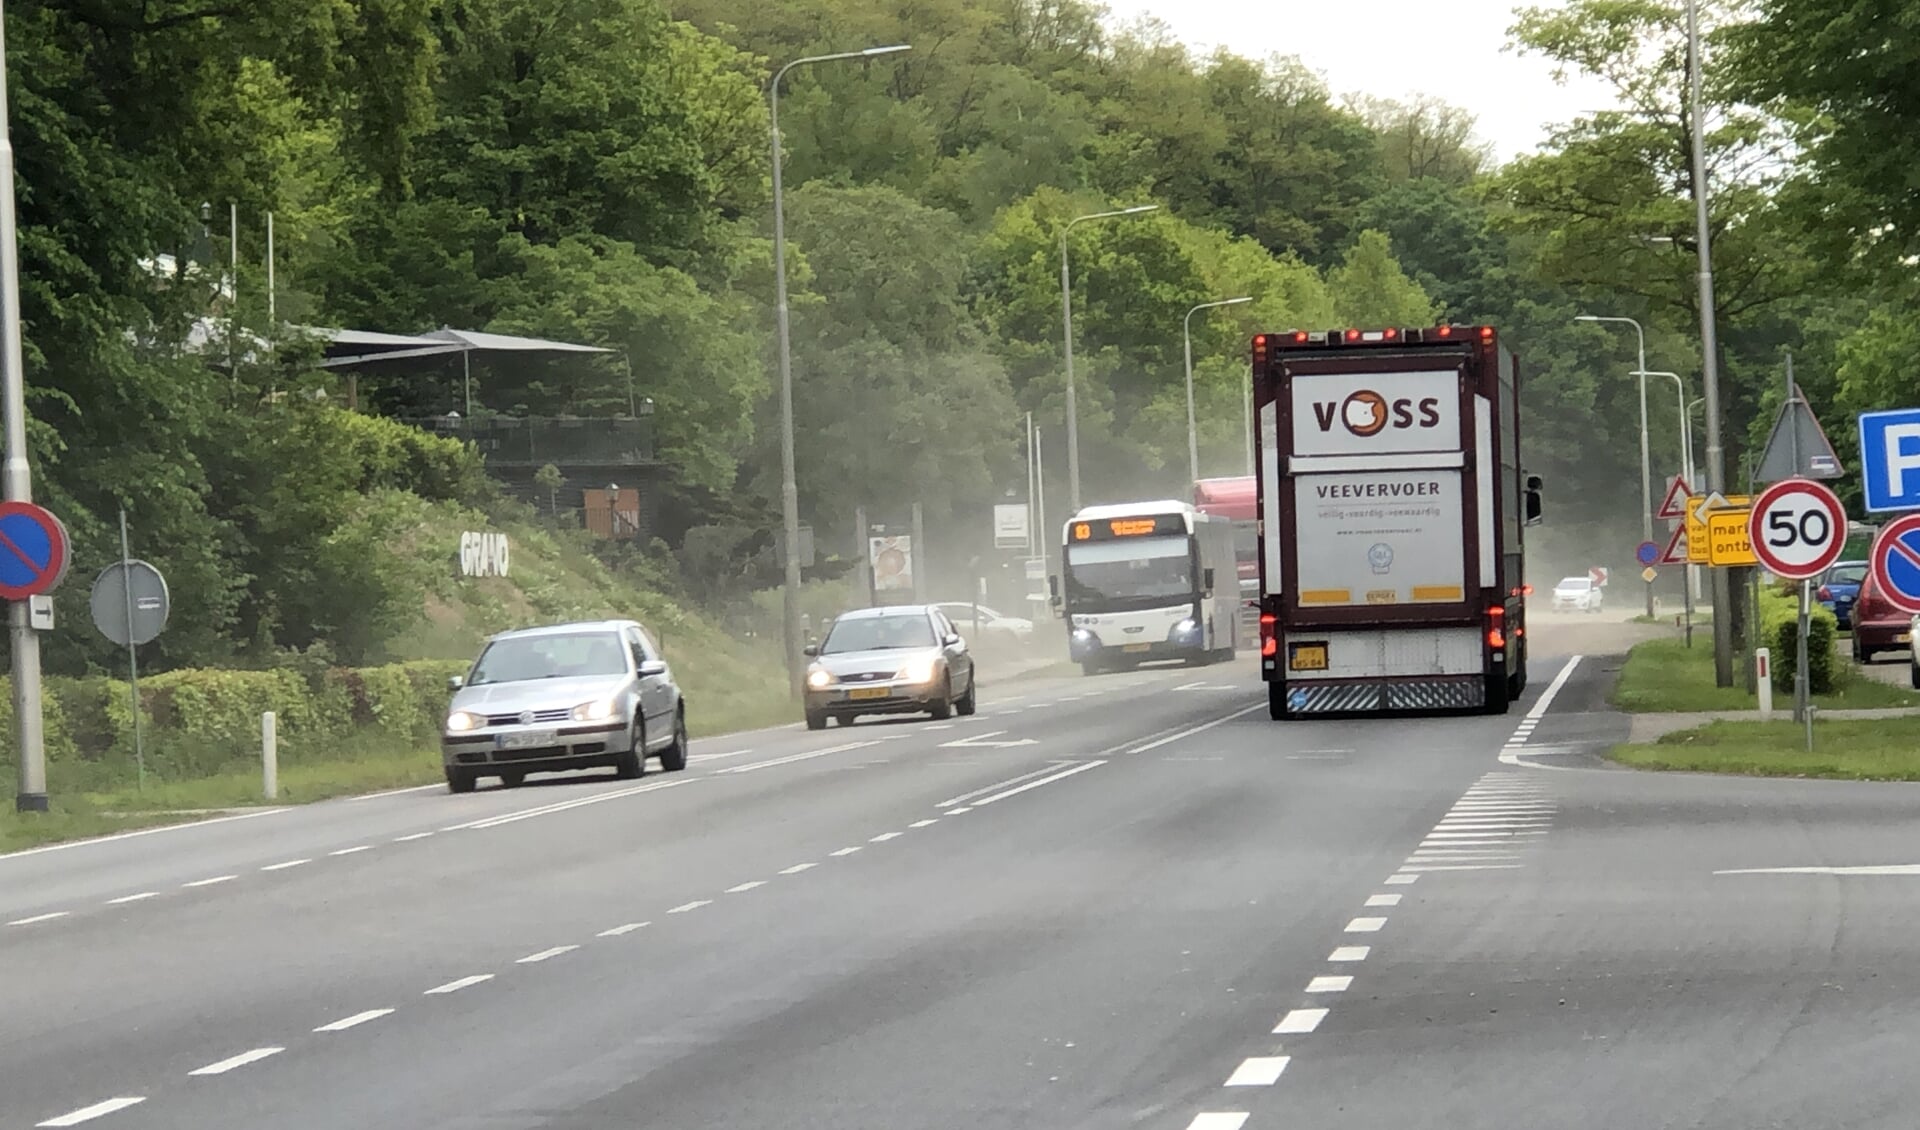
x=1368 y=288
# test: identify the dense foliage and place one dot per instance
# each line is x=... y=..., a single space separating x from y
x=599 y=171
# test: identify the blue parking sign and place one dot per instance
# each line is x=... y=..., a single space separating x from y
x=1890 y=459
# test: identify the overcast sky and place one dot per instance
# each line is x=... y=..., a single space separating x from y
x=1391 y=49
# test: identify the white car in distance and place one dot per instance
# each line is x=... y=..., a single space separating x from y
x=991 y=625
x=1576 y=594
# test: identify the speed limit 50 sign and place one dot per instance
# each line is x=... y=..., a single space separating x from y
x=1798 y=528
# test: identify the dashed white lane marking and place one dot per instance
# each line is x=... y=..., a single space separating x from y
x=797 y=868
x=212 y=881
x=142 y=896
x=48 y=917
x=1350 y=953
x=1192 y=730
x=1018 y=789
x=456 y=986
x=1401 y=879
x=355 y=1020
x=1326 y=984
x=1258 y=1071
x=1300 y=1021
x=958 y=811
x=231 y=1062
x=793 y=757
x=743 y=888
x=939 y=726
x=568 y=805
x=1219 y=1120
x=1383 y=900
x=884 y=837
x=696 y=904
x=89 y=1113
x=843 y=851
x=410 y=839
x=1464 y=867
x=1365 y=925
x=543 y=955
x=617 y=931
x=352 y=850
x=287 y=864
x=924 y=823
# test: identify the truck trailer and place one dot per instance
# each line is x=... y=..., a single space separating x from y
x=1391 y=509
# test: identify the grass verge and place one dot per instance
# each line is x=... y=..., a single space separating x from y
x=1877 y=749
x=1665 y=675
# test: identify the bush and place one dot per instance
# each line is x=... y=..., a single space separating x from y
x=1780 y=631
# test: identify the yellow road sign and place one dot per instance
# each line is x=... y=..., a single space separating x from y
x=1727 y=541
x=1697 y=546
x=1648 y=574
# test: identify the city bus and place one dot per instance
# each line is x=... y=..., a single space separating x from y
x=1147 y=581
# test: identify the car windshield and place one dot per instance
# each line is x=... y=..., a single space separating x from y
x=1847 y=574
x=878 y=633
x=1157 y=567
x=558 y=656
x=1575 y=584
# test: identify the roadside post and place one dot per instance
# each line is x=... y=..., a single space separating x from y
x=269 y=755
x=130 y=606
x=1800 y=529
x=1763 y=680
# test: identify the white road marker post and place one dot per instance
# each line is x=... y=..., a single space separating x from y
x=269 y=755
x=1763 y=680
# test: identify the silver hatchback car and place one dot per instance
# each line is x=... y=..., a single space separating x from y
x=567 y=696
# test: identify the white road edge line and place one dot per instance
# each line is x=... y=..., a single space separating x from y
x=1507 y=756
x=117 y=836
x=456 y=986
x=355 y=1020
x=1187 y=733
x=1060 y=776
x=231 y=1062
x=89 y=1113
x=1258 y=1071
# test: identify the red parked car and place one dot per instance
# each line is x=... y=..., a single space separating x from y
x=1877 y=625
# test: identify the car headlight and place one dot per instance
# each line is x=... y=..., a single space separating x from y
x=1082 y=634
x=598 y=710
x=918 y=670
x=462 y=720
x=819 y=677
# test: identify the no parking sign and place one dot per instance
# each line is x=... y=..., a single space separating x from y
x=1896 y=562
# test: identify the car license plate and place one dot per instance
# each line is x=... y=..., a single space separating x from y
x=1903 y=637
x=525 y=739
x=1137 y=647
x=1307 y=657
x=868 y=692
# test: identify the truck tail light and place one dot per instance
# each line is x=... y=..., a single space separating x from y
x=1496 y=627
x=1269 y=639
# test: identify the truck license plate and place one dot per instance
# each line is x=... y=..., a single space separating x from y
x=1306 y=657
x=525 y=739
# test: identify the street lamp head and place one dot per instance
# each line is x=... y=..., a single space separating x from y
x=1139 y=208
x=893 y=50
x=1587 y=318
x=1237 y=301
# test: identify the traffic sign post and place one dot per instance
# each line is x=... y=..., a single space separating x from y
x=34 y=554
x=130 y=604
x=1799 y=530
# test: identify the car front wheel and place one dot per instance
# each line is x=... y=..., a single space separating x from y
x=460 y=780
x=969 y=703
x=633 y=763
x=942 y=708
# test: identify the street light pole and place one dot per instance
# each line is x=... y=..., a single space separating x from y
x=1646 y=456
x=1686 y=472
x=1709 y=348
x=789 y=489
x=1193 y=434
x=1066 y=324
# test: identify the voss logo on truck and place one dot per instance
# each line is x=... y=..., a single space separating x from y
x=1376 y=413
x=1367 y=413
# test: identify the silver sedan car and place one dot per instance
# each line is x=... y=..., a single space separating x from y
x=567 y=696
x=899 y=660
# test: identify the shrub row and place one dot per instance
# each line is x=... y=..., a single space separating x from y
x=199 y=723
x=1780 y=630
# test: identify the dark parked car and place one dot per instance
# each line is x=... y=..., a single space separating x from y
x=1839 y=587
x=1877 y=625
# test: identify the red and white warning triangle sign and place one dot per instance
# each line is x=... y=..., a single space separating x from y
x=1675 y=505
x=1676 y=551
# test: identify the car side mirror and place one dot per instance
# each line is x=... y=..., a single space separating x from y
x=810 y=650
x=1206 y=580
x=653 y=667
x=953 y=638
x=455 y=682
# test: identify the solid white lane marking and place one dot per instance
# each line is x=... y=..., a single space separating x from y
x=1300 y=1021
x=355 y=1020
x=1383 y=900
x=924 y=823
x=1258 y=1071
x=999 y=785
x=410 y=839
x=1401 y=880
x=1350 y=953
x=456 y=986
x=1219 y=1120
x=89 y=1113
x=143 y=895
x=1017 y=790
x=118 y=836
x=1365 y=925
x=1867 y=869
x=745 y=887
x=1540 y=708
x=1329 y=984
x=884 y=837
x=795 y=757
x=212 y=881
x=567 y=805
x=696 y=904
x=1463 y=867
x=939 y=726
x=1189 y=732
x=231 y=1062
x=843 y=851
x=797 y=868
x=47 y=917
x=287 y=864
x=543 y=955
x=619 y=930
x=699 y=757
x=352 y=850
x=392 y=792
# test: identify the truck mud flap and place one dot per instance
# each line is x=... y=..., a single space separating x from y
x=1458 y=693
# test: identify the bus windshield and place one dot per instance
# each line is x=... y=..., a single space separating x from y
x=1129 y=571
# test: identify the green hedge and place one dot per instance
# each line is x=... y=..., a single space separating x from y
x=1780 y=630
x=201 y=723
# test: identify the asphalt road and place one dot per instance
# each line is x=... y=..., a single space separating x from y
x=1121 y=901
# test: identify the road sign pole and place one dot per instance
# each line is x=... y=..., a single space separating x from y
x=1801 y=683
x=133 y=658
